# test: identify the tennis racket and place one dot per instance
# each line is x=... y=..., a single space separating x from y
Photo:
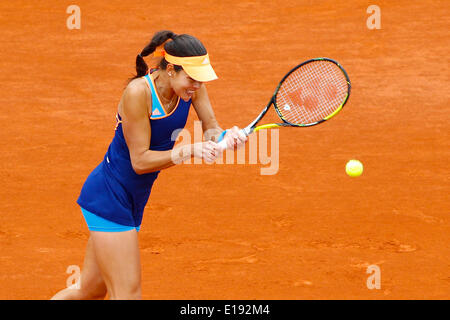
x=311 y=93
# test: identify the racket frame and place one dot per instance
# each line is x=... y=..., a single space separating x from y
x=252 y=126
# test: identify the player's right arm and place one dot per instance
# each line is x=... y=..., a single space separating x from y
x=137 y=133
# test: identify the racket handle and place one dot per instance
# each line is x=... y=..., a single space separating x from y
x=221 y=135
x=222 y=145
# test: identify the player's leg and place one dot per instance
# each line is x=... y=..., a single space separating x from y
x=92 y=285
x=119 y=261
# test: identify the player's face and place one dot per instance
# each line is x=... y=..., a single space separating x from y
x=183 y=85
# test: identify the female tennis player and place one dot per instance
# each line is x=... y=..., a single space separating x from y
x=153 y=105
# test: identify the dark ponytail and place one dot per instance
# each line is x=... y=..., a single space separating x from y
x=183 y=45
x=158 y=39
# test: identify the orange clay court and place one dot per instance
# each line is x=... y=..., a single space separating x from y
x=226 y=231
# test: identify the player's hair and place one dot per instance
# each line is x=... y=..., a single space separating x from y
x=183 y=45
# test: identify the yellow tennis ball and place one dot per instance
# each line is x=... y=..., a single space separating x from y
x=354 y=168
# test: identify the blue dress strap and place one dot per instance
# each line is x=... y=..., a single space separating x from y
x=157 y=109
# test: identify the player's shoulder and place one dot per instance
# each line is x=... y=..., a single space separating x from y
x=136 y=88
x=135 y=97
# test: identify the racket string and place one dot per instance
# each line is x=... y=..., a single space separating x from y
x=312 y=92
x=312 y=100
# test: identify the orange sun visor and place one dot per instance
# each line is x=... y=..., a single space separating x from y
x=198 y=67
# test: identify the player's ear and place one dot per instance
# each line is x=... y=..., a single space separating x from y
x=170 y=70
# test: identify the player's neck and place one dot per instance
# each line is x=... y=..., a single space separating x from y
x=165 y=92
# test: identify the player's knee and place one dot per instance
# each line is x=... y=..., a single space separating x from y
x=135 y=294
x=96 y=294
x=93 y=290
x=132 y=292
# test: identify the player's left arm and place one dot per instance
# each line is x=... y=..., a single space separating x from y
x=210 y=126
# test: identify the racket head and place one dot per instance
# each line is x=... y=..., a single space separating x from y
x=312 y=92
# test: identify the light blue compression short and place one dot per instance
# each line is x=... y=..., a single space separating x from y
x=96 y=223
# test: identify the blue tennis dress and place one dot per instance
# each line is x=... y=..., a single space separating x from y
x=113 y=190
